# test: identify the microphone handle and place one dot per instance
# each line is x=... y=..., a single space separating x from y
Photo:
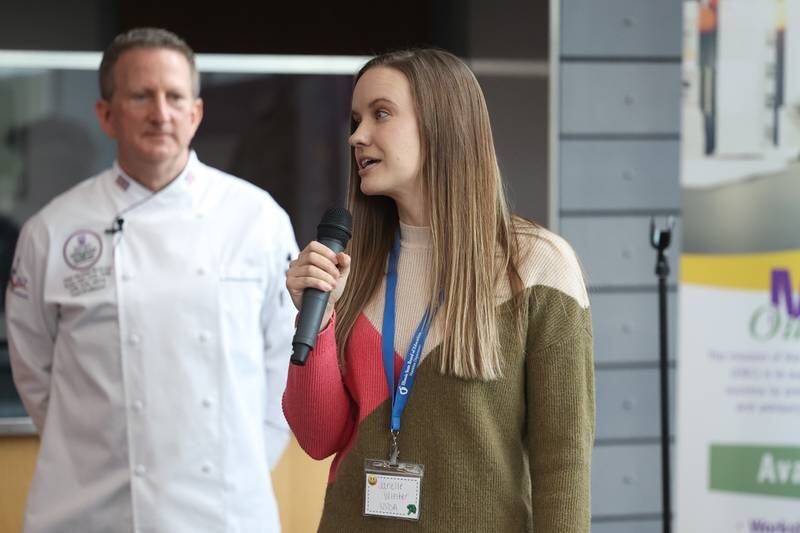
x=312 y=310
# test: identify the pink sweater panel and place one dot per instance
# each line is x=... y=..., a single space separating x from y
x=323 y=407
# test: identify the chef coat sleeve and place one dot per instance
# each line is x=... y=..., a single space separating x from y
x=31 y=323
x=277 y=320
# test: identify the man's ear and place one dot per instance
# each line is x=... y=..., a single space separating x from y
x=102 y=109
x=197 y=115
x=197 y=112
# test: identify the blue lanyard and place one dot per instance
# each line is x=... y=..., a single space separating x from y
x=411 y=363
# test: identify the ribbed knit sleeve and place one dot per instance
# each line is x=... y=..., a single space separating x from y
x=561 y=415
x=561 y=411
x=316 y=402
x=559 y=383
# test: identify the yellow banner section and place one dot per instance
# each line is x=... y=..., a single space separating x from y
x=739 y=271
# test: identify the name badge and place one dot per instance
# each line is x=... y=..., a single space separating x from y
x=392 y=491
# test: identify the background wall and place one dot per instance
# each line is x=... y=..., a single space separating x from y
x=616 y=138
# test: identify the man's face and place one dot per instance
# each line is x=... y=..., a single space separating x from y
x=152 y=113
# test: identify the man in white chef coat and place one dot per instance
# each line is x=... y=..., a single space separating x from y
x=148 y=326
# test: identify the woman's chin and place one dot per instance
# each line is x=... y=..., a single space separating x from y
x=368 y=188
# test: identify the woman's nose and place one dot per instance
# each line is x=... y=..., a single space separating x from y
x=359 y=136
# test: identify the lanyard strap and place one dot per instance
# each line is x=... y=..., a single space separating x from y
x=400 y=394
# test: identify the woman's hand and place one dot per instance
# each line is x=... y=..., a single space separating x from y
x=317 y=267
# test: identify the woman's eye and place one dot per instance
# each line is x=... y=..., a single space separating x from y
x=381 y=114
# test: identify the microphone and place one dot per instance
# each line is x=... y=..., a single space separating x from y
x=334 y=231
x=116 y=227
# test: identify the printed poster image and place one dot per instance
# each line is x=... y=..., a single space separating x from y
x=738 y=399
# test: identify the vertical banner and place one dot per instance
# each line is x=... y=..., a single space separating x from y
x=738 y=439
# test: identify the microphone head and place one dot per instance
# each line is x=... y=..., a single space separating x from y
x=336 y=224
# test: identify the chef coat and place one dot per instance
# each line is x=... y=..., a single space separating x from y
x=150 y=336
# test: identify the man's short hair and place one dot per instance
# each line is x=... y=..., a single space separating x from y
x=143 y=38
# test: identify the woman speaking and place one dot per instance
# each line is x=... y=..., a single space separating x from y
x=453 y=376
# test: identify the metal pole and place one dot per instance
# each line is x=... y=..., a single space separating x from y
x=660 y=240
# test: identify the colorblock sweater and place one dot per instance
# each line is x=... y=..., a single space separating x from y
x=509 y=455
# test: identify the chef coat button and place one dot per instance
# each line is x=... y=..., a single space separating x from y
x=138 y=405
x=134 y=340
x=203 y=337
x=207 y=468
x=127 y=277
x=200 y=215
x=207 y=402
x=140 y=470
x=201 y=271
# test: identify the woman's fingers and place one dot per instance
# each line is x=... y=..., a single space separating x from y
x=321 y=249
x=311 y=276
x=317 y=267
x=322 y=263
x=343 y=261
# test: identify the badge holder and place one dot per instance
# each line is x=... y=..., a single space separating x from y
x=392 y=489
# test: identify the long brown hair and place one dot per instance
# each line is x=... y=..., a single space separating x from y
x=474 y=242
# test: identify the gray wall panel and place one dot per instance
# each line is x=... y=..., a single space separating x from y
x=616 y=158
x=629 y=403
x=616 y=251
x=626 y=480
x=625 y=326
x=629 y=98
x=620 y=174
x=639 y=526
x=629 y=28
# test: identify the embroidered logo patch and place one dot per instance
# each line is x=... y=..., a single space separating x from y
x=82 y=249
x=18 y=284
x=122 y=183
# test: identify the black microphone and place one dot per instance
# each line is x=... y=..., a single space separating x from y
x=116 y=227
x=334 y=231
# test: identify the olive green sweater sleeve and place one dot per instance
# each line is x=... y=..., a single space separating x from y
x=560 y=409
x=561 y=433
